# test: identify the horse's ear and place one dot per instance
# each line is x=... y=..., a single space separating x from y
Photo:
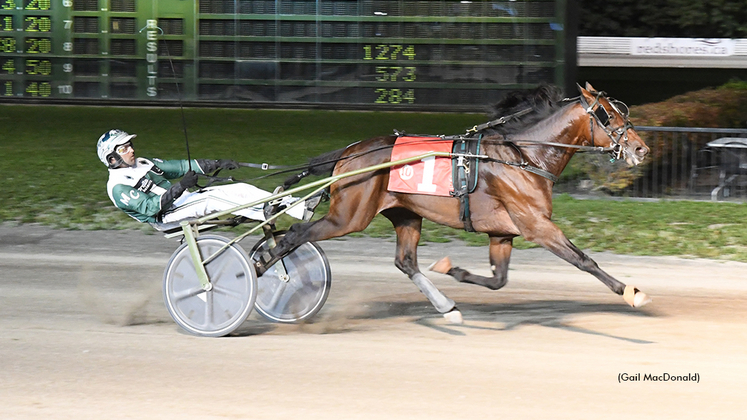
x=589 y=87
x=585 y=93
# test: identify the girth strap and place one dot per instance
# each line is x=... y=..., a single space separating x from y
x=464 y=172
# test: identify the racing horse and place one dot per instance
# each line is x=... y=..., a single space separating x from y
x=521 y=159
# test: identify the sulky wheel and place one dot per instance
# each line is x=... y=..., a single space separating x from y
x=296 y=287
x=223 y=308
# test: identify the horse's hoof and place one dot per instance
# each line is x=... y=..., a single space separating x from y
x=454 y=316
x=441 y=266
x=635 y=297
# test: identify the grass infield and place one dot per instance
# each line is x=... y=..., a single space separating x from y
x=53 y=176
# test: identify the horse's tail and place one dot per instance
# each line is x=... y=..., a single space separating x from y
x=325 y=163
x=319 y=165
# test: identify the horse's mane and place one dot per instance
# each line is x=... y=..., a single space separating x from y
x=543 y=101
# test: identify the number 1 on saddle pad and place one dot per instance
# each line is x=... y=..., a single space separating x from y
x=431 y=176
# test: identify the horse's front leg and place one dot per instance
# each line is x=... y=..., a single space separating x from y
x=500 y=255
x=407 y=226
x=545 y=233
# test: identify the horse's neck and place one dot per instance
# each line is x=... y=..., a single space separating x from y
x=565 y=127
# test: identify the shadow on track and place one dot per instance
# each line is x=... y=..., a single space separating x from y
x=486 y=317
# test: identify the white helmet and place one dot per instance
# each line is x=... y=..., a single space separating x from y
x=108 y=142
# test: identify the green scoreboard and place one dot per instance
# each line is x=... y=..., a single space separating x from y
x=392 y=54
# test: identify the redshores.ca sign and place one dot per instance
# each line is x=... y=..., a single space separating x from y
x=692 y=47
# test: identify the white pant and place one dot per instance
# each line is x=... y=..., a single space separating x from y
x=192 y=205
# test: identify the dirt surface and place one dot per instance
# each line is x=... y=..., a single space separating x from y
x=84 y=334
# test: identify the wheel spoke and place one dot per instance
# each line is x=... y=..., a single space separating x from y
x=277 y=295
x=219 y=266
x=184 y=294
x=209 y=309
x=229 y=293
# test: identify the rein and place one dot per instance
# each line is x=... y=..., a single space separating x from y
x=594 y=116
x=523 y=164
x=580 y=148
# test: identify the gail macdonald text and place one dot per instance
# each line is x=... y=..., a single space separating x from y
x=663 y=377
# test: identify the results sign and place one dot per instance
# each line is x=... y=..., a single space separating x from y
x=385 y=54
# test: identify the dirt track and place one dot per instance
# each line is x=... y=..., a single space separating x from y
x=84 y=335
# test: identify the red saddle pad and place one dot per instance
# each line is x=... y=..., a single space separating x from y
x=431 y=176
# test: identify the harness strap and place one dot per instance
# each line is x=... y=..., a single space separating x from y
x=527 y=167
x=263 y=166
x=498 y=121
x=580 y=148
x=464 y=214
x=464 y=172
x=590 y=111
x=541 y=172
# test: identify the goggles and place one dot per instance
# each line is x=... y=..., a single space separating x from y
x=123 y=148
x=604 y=117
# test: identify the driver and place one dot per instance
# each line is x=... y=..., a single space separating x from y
x=140 y=187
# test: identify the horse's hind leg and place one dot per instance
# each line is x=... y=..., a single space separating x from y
x=334 y=224
x=549 y=236
x=500 y=255
x=407 y=226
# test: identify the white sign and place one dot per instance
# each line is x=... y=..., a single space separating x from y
x=692 y=47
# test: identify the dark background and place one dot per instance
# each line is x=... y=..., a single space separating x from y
x=659 y=18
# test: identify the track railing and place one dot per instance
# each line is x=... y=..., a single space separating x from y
x=682 y=165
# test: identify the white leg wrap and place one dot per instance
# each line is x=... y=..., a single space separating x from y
x=442 y=303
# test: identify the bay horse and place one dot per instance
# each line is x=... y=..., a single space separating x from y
x=510 y=199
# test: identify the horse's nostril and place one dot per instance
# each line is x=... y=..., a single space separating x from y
x=641 y=151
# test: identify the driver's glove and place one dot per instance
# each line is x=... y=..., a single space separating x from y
x=209 y=166
x=228 y=164
x=189 y=180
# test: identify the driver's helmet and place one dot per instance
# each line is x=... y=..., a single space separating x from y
x=107 y=144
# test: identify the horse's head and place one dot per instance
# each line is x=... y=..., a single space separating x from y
x=610 y=126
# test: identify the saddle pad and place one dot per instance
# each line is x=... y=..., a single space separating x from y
x=431 y=176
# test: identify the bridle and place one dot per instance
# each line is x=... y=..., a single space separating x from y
x=602 y=118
